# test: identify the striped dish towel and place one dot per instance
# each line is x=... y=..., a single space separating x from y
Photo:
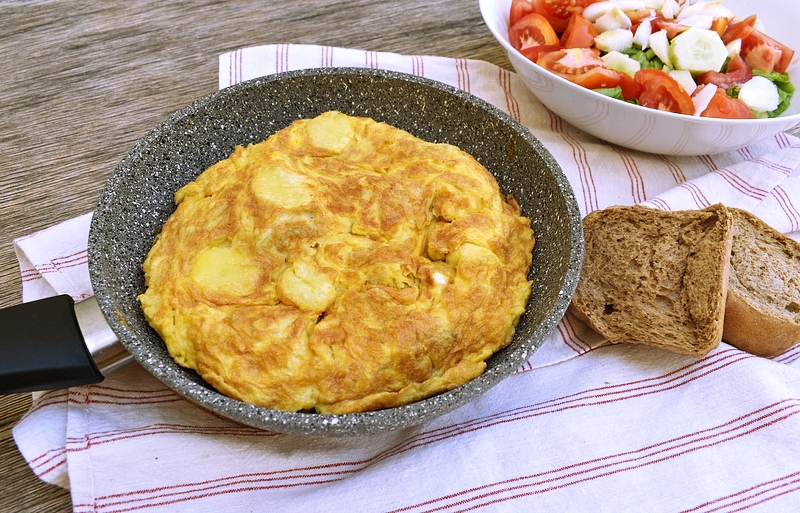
x=619 y=428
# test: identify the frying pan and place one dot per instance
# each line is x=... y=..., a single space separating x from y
x=138 y=199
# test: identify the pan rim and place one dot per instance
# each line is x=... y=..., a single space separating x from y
x=330 y=424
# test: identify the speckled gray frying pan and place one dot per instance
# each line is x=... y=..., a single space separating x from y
x=139 y=198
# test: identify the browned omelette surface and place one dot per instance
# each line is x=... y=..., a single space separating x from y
x=342 y=265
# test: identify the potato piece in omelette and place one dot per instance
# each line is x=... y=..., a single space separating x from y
x=340 y=266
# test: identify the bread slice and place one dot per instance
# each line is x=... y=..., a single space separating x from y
x=656 y=277
x=762 y=313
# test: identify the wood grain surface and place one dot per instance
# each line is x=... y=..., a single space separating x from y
x=81 y=81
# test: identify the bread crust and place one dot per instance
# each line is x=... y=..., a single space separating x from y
x=749 y=329
x=762 y=257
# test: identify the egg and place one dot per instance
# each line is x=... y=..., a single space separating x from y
x=342 y=265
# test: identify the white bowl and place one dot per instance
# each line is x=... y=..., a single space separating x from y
x=650 y=130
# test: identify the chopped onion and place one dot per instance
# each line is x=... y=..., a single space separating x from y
x=615 y=39
x=702 y=98
x=660 y=45
x=734 y=47
x=713 y=9
x=642 y=35
x=612 y=19
x=597 y=9
x=702 y=21
x=671 y=9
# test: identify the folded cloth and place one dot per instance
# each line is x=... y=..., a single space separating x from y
x=620 y=428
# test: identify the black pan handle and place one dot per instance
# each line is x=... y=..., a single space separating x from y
x=54 y=343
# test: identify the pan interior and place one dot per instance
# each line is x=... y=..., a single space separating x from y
x=138 y=199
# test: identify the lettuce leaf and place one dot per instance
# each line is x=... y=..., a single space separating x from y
x=616 y=93
x=647 y=58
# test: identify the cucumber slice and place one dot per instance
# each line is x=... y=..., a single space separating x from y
x=697 y=50
x=760 y=94
x=621 y=62
x=685 y=79
x=615 y=39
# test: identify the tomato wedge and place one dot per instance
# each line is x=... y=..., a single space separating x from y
x=571 y=62
x=759 y=51
x=597 y=78
x=661 y=91
x=787 y=54
x=631 y=89
x=719 y=25
x=531 y=31
x=723 y=106
x=534 y=52
x=558 y=12
x=519 y=9
x=580 y=32
x=673 y=28
x=738 y=73
x=739 y=29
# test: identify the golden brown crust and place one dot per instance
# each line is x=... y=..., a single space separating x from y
x=342 y=265
x=762 y=315
x=750 y=329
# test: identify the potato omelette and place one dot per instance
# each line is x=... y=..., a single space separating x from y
x=342 y=265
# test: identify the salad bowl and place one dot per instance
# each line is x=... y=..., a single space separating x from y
x=646 y=129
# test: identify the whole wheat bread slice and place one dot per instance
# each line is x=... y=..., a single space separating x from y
x=655 y=277
x=762 y=313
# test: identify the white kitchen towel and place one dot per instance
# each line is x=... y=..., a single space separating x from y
x=621 y=428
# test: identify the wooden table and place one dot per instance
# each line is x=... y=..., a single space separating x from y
x=81 y=82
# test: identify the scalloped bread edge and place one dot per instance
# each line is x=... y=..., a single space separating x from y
x=762 y=315
x=656 y=277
